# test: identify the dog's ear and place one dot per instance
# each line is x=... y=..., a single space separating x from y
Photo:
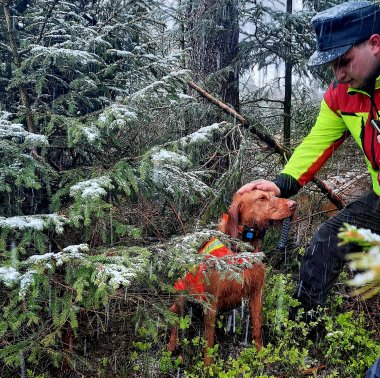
x=232 y=227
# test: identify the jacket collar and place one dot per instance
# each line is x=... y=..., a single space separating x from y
x=365 y=91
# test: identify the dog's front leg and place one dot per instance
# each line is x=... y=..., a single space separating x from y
x=177 y=308
x=209 y=322
x=255 y=310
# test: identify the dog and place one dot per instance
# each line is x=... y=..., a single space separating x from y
x=247 y=218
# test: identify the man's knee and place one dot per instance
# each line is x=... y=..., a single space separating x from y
x=311 y=294
x=322 y=263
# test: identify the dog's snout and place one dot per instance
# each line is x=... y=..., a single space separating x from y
x=292 y=205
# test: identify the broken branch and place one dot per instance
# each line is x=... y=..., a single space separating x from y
x=272 y=143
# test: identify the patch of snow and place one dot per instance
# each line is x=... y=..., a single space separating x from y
x=165 y=156
x=9 y=276
x=26 y=281
x=203 y=134
x=91 y=133
x=92 y=188
x=37 y=222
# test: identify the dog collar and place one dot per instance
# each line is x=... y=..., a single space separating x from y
x=248 y=234
x=251 y=234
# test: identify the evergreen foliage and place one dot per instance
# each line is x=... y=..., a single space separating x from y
x=101 y=205
x=267 y=23
x=106 y=104
x=368 y=263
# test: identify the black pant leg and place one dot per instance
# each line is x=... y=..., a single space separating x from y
x=324 y=259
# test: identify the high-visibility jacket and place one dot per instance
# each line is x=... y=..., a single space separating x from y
x=193 y=282
x=344 y=111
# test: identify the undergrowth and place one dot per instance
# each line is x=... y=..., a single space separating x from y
x=339 y=344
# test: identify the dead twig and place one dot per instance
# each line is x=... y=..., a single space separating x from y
x=177 y=216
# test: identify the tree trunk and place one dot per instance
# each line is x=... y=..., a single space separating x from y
x=288 y=77
x=213 y=31
x=16 y=58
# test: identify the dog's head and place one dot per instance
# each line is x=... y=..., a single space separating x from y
x=255 y=209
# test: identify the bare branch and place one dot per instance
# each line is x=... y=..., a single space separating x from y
x=272 y=143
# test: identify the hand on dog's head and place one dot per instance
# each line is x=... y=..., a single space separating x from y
x=256 y=208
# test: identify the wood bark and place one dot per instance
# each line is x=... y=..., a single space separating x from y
x=213 y=30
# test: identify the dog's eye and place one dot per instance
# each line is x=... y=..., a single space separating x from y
x=262 y=198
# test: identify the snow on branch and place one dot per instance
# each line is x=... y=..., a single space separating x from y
x=162 y=157
x=116 y=275
x=181 y=254
x=9 y=276
x=69 y=253
x=93 y=188
x=37 y=264
x=175 y=181
x=171 y=164
x=91 y=133
x=116 y=116
x=102 y=270
x=120 y=53
x=205 y=134
x=171 y=84
x=36 y=222
x=26 y=281
x=80 y=57
x=16 y=132
x=169 y=174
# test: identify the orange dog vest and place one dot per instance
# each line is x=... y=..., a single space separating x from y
x=193 y=282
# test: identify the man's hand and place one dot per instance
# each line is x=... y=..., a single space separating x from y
x=265 y=185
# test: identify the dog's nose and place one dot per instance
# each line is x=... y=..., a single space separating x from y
x=292 y=205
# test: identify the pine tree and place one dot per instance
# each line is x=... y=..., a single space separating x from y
x=106 y=176
x=109 y=151
x=264 y=25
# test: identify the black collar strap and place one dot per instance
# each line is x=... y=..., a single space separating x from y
x=250 y=234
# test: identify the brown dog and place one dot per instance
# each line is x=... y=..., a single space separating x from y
x=252 y=212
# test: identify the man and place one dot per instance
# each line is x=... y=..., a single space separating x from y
x=348 y=40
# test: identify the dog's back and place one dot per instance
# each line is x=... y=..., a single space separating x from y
x=229 y=292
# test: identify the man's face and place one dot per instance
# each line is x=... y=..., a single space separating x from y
x=357 y=66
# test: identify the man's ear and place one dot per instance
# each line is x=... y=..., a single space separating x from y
x=374 y=41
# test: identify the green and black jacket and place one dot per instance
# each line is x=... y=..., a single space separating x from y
x=344 y=111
